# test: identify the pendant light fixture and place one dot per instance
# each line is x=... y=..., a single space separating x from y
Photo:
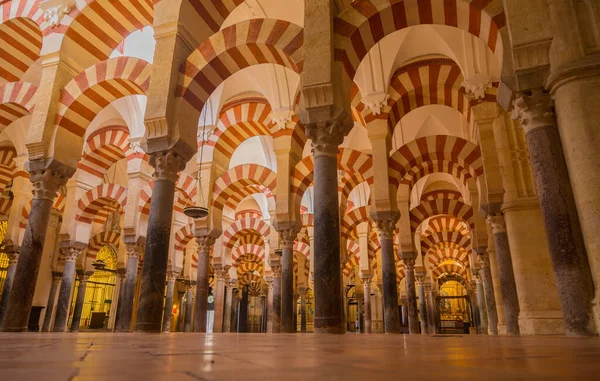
x=200 y=211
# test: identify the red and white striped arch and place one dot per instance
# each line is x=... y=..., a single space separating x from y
x=7 y=165
x=252 y=250
x=251 y=237
x=239 y=228
x=352 y=248
x=449 y=269
x=446 y=238
x=240 y=182
x=104 y=148
x=254 y=282
x=248 y=43
x=248 y=213
x=96 y=27
x=215 y=12
x=20 y=37
x=352 y=219
x=96 y=204
x=95 y=88
x=427 y=209
x=406 y=165
x=182 y=238
x=366 y=22
x=302 y=248
x=16 y=101
x=446 y=224
x=351 y=264
x=444 y=251
x=101 y=239
x=185 y=189
x=249 y=267
x=443 y=194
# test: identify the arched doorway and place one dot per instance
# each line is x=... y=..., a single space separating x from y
x=454 y=306
x=99 y=292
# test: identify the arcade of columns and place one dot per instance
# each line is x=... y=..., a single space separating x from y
x=385 y=144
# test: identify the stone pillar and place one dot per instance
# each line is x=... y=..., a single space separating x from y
x=411 y=294
x=189 y=304
x=276 y=298
x=565 y=240
x=497 y=286
x=327 y=275
x=428 y=289
x=243 y=311
x=488 y=290
x=171 y=279
x=366 y=281
x=475 y=322
x=46 y=182
x=56 y=277
x=229 y=284
x=220 y=299
x=287 y=238
x=269 y=281
x=13 y=258
x=122 y=274
x=235 y=309
x=69 y=256
x=481 y=302
x=76 y=321
x=422 y=305
x=166 y=165
x=505 y=273
x=134 y=252
x=201 y=307
x=302 y=292
x=391 y=315
x=404 y=309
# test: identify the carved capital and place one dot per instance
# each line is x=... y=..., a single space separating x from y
x=230 y=283
x=326 y=137
x=376 y=104
x=484 y=259
x=205 y=242
x=172 y=276
x=427 y=286
x=13 y=258
x=534 y=110
x=84 y=277
x=46 y=183
x=55 y=10
x=477 y=85
x=282 y=120
x=70 y=253
x=496 y=222
x=386 y=228
x=287 y=238
x=167 y=165
x=134 y=249
x=409 y=263
x=276 y=271
x=56 y=277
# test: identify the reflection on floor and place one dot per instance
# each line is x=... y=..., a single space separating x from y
x=107 y=356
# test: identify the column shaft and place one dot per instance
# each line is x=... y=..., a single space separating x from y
x=243 y=311
x=327 y=277
x=270 y=306
x=169 y=303
x=126 y=307
x=411 y=295
x=483 y=318
x=303 y=312
x=367 y=299
x=219 y=303
x=189 y=304
x=490 y=300
x=423 y=309
x=287 y=289
x=64 y=295
x=391 y=316
x=56 y=277
x=122 y=272
x=201 y=307
x=506 y=274
x=430 y=310
x=228 y=302
x=276 y=299
x=76 y=321
x=8 y=281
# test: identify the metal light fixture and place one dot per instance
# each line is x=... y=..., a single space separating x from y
x=199 y=211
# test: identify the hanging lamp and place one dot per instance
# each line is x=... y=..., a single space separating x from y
x=199 y=211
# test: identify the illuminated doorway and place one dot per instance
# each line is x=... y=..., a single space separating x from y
x=3 y=257
x=99 y=291
x=454 y=306
x=310 y=312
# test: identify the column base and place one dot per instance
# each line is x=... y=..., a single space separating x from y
x=541 y=323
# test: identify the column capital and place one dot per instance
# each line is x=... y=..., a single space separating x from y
x=46 y=182
x=427 y=286
x=122 y=272
x=167 y=165
x=205 y=242
x=84 y=276
x=302 y=291
x=288 y=237
x=386 y=227
x=70 y=253
x=326 y=137
x=172 y=275
x=484 y=259
x=56 y=277
x=134 y=249
x=496 y=222
x=13 y=257
x=409 y=263
x=534 y=109
x=276 y=271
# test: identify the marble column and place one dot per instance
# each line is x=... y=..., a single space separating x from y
x=122 y=274
x=13 y=258
x=202 y=278
x=565 y=239
x=302 y=292
x=189 y=304
x=423 y=318
x=235 y=309
x=69 y=256
x=134 y=252
x=166 y=165
x=269 y=281
x=56 y=277
x=46 y=182
x=491 y=251
x=171 y=279
x=243 y=311
x=327 y=275
x=287 y=238
x=391 y=314
x=488 y=290
x=471 y=293
x=366 y=281
x=481 y=302
x=276 y=315
x=428 y=289
x=506 y=273
x=229 y=285
x=411 y=295
x=220 y=299
x=83 y=279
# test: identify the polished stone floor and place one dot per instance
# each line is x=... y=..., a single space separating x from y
x=178 y=356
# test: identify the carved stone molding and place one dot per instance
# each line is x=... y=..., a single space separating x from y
x=386 y=228
x=327 y=137
x=55 y=10
x=134 y=249
x=534 y=110
x=167 y=165
x=46 y=183
x=477 y=85
x=484 y=259
x=205 y=242
x=376 y=104
x=496 y=222
x=70 y=254
x=409 y=263
x=282 y=120
x=276 y=271
x=287 y=238
x=172 y=275
x=204 y=133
